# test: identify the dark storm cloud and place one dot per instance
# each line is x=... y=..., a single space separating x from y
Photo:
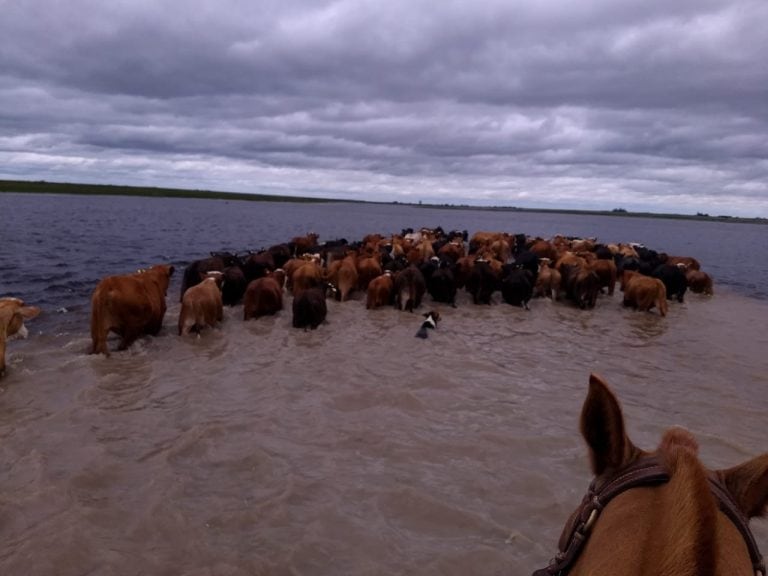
x=642 y=104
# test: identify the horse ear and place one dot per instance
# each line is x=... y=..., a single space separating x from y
x=748 y=484
x=602 y=426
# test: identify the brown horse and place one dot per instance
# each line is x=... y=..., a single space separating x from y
x=660 y=512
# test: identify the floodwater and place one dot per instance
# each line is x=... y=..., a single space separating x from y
x=354 y=449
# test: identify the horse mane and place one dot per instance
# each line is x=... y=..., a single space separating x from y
x=692 y=509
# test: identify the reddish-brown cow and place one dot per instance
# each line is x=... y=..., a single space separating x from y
x=643 y=292
x=263 y=297
x=129 y=305
x=13 y=312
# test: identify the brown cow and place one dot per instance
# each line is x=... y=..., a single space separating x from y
x=12 y=316
x=606 y=272
x=308 y=276
x=643 y=292
x=347 y=278
x=368 y=268
x=548 y=281
x=689 y=262
x=409 y=288
x=129 y=305
x=452 y=250
x=699 y=282
x=544 y=249
x=263 y=297
x=303 y=244
x=380 y=291
x=201 y=305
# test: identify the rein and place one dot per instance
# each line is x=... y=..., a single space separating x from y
x=646 y=471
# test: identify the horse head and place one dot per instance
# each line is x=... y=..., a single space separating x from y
x=660 y=511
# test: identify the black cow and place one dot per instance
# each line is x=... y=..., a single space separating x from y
x=197 y=270
x=309 y=307
x=517 y=287
x=281 y=253
x=482 y=282
x=441 y=284
x=674 y=280
x=530 y=261
x=257 y=265
x=233 y=285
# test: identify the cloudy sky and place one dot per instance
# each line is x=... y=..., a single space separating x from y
x=645 y=105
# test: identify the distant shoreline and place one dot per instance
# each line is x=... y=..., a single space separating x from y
x=43 y=187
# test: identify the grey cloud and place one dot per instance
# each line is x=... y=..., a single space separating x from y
x=506 y=102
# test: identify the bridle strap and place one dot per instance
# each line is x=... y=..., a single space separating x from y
x=728 y=507
x=645 y=471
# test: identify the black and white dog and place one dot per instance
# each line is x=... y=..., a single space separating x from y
x=430 y=323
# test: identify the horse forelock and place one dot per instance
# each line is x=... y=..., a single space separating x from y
x=691 y=508
x=678 y=438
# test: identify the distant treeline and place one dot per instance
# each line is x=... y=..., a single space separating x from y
x=615 y=212
x=43 y=187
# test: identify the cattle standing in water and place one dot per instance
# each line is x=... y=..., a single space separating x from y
x=409 y=288
x=258 y=265
x=201 y=305
x=263 y=297
x=346 y=278
x=368 y=268
x=309 y=307
x=643 y=292
x=673 y=277
x=13 y=312
x=380 y=291
x=581 y=284
x=233 y=285
x=699 y=282
x=548 y=282
x=441 y=284
x=310 y=275
x=482 y=282
x=129 y=305
x=196 y=271
x=517 y=287
x=302 y=244
x=606 y=272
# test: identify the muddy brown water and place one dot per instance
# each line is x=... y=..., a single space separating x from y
x=355 y=448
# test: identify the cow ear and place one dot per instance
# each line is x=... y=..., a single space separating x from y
x=602 y=426
x=748 y=484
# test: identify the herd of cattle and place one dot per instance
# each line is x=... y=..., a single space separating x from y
x=393 y=270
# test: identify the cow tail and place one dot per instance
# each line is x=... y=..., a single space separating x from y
x=98 y=337
x=411 y=297
x=662 y=303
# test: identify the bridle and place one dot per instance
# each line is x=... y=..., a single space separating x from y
x=646 y=471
